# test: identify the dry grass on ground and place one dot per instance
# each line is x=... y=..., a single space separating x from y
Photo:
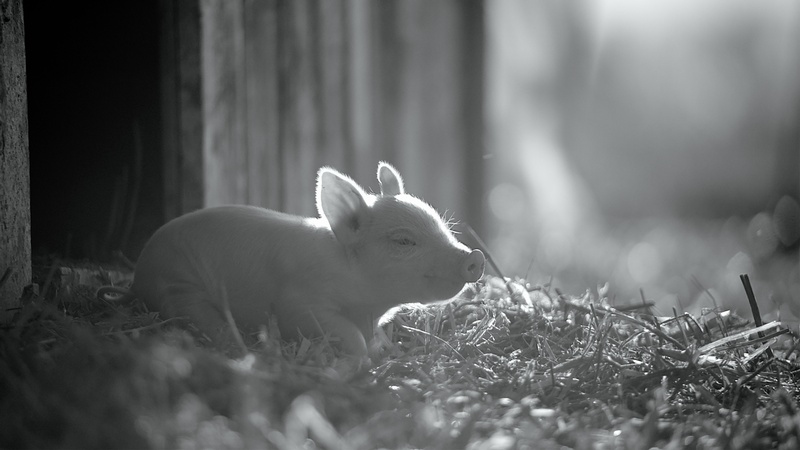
x=505 y=366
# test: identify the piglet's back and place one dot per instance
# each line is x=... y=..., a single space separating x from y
x=230 y=246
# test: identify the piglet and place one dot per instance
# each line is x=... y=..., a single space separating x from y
x=325 y=275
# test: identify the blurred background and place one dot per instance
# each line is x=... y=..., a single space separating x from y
x=653 y=146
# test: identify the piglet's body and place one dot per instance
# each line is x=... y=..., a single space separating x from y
x=363 y=255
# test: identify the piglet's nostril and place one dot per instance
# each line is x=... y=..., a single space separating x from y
x=473 y=266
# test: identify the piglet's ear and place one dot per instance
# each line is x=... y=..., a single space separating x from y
x=390 y=180
x=342 y=203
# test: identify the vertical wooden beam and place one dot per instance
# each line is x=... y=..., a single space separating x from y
x=360 y=62
x=264 y=181
x=224 y=102
x=298 y=100
x=472 y=61
x=335 y=139
x=169 y=82
x=181 y=93
x=15 y=211
x=429 y=94
x=313 y=85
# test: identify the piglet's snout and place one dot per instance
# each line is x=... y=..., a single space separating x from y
x=472 y=267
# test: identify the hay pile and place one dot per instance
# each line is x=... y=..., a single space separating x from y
x=504 y=366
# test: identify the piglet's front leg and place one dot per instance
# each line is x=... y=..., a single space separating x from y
x=195 y=304
x=351 y=340
x=297 y=316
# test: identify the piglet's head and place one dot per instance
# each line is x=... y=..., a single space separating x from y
x=397 y=242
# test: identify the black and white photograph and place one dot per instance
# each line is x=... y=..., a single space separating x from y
x=400 y=224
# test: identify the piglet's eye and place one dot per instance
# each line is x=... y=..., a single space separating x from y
x=403 y=240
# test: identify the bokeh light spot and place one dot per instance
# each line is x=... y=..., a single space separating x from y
x=506 y=201
x=761 y=236
x=644 y=262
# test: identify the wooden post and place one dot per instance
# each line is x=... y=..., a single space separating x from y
x=15 y=211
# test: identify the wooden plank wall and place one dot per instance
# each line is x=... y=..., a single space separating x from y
x=15 y=211
x=286 y=86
